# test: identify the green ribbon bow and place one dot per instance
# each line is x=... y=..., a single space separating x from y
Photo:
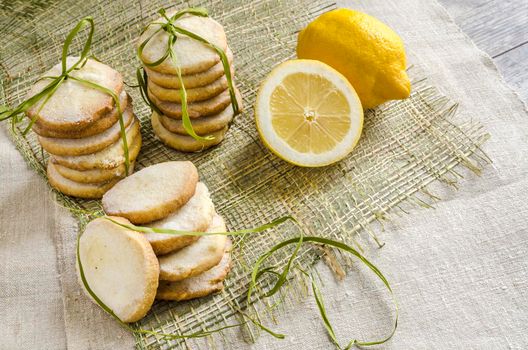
x=17 y=114
x=173 y=31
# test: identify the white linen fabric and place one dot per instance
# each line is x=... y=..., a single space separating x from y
x=459 y=272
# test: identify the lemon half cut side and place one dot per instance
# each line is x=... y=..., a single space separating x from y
x=308 y=114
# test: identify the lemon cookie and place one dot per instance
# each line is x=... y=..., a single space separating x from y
x=202 y=285
x=190 y=81
x=94 y=128
x=119 y=267
x=185 y=143
x=195 y=215
x=200 y=93
x=196 y=109
x=75 y=105
x=204 y=125
x=109 y=157
x=196 y=258
x=182 y=142
x=94 y=175
x=77 y=189
x=87 y=145
x=153 y=192
x=192 y=55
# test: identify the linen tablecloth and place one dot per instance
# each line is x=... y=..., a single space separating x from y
x=459 y=271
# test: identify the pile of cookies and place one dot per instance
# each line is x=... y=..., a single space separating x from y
x=127 y=270
x=208 y=99
x=79 y=126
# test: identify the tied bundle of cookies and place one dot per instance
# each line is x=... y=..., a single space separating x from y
x=84 y=128
x=127 y=269
x=188 y=79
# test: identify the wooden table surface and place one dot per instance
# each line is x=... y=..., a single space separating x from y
x=500 y=28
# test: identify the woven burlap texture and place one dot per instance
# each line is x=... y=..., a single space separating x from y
x=405 y=145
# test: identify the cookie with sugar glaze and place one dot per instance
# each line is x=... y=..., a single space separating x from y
x=196 y=258
x=86 y=145
x=195 y=109
x=192 y=55
x=107 y=158
x=211 y=281
x=190 y=81
x=94 y=128
x=75 y=105
x=195 y=216
x=185 y=143
x=77 y=189
x=120 y=268
x=94 y=175
x=152 y=193
x=196 y=94
x=203 y=125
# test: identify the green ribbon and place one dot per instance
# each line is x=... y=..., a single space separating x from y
x=257 y=272
x=173 y=31
x=17 y=114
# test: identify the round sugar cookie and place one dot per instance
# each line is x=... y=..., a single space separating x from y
x=204 y=125
x=192 y=56
x=196 y=258
x=87 y=145
x=107 y=158
x=153 y=192
x=94 y=175
x=182 y=142
x=196 y=109
x=200 y=93
x=94 y=128
x=119 y=267
x=77 y=189
x=211 y=281
x=196 y=216
x=75 y=105
x=190 y=81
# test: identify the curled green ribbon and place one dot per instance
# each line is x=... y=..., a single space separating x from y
x=17 y=114
x=173 y=31
x=282 y=277
x=257 y=272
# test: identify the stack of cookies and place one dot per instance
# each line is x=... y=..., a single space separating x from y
x=168 y=196
x=208 y=99
x=79 y=126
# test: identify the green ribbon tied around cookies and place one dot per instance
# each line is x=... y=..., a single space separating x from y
x=173 y=31
x=17 y=114
x=281 y=275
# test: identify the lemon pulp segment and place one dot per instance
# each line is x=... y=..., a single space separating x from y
x=308 y=114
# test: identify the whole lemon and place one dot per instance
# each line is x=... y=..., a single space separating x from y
x=366 y=51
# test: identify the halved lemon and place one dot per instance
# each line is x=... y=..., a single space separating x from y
x=308 y=114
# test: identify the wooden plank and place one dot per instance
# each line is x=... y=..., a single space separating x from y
x=501 y=29
x=458 y=8
x=495 y=26
x=514 y=67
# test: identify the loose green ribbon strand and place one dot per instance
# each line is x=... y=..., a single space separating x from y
x=17 y=114
x=259 y=229
x=172 y=31
x=256 y=274
x=282 y=277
